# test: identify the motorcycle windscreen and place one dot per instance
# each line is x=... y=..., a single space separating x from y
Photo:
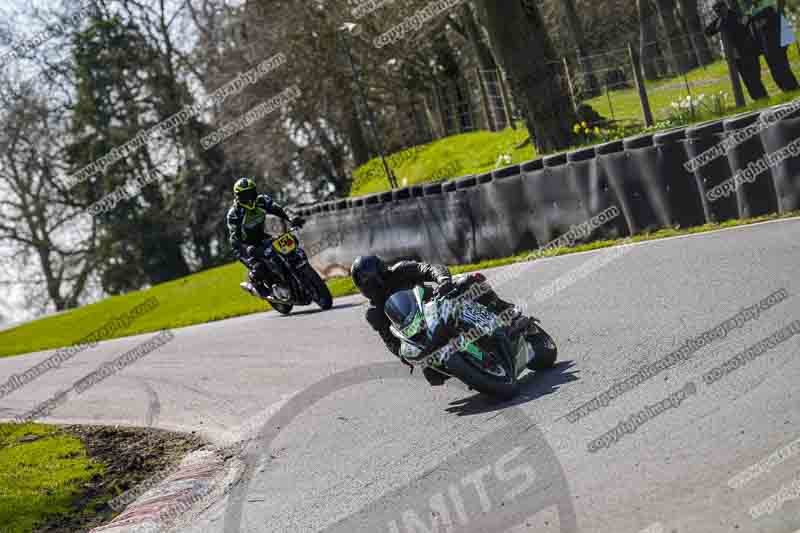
x=402 y=310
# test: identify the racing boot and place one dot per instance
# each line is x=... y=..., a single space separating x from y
x=257 y=282
x=258 y=290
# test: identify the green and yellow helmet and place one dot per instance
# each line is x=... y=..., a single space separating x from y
x=245 y=193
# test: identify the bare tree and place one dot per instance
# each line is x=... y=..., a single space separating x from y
x=36 y=222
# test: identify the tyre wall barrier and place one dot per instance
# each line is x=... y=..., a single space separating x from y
x=700 y=138
x=588 y=178
x=523 y=207
x=785 y=175
x=759 y=197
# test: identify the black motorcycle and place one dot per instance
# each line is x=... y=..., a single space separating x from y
x=299 y=283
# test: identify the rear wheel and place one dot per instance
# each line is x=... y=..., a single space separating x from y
x=320 y=292
x=497 y=381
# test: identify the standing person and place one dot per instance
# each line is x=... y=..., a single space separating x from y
x=765 y=25
x=745 y=50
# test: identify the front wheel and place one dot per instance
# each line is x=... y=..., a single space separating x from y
x=283 y=309
x=502 y=385
x=544 y=347
x=320 y=292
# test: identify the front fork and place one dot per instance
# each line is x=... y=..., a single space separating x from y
x=289 y=268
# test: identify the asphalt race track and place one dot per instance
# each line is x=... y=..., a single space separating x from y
x=339 y=438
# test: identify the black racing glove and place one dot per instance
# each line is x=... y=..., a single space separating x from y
x=298 y=221
x=255 y=252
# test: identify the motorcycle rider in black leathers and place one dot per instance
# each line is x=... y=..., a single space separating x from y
x=377 y=283
x=245 y=220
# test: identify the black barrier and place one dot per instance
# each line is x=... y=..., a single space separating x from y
x=500 y=212
x=522 y=207
x=401 y=194
x=611 y=165
x=439 y=226
x=398 y=235
x=650 y=201
x=556 y=204
x=680 y=185
x=513 y=170
x=628 y=185
x=465 y=182
x=759 y=197
x=588 y=179
x=699 y=139
x=786 y=174
x=432 y=189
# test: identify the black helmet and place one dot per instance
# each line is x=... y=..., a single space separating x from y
x=369 y=275
x=244 y=190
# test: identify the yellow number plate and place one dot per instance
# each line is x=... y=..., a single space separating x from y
x=285 y=243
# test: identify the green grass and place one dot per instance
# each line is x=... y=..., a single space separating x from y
x=458 y=155
x=203 y=297
x=40 y=477
x=215 y=295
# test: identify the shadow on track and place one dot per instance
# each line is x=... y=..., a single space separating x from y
x=531 y=386
x=314 y=310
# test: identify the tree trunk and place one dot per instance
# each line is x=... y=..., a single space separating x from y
x=589 y=81
x=432 y=112
x=695 y=27
x=648 y=35
x=686 y=41
x=522 y=45
x=358 y=142
x=483 y=53
x=673 y=36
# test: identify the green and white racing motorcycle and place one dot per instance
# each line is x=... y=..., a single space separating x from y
x=482 y=349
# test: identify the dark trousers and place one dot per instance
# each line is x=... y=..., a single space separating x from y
x=780 y=69
x=487 y=297
x=766 y=28
x=750 y=70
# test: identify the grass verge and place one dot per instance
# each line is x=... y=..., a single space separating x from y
x=215 y=295
x=61 y=478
